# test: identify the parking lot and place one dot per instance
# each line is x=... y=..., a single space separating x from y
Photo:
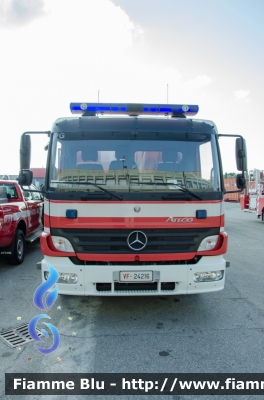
x=217 y=332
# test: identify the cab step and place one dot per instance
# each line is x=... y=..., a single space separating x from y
x=33 y=236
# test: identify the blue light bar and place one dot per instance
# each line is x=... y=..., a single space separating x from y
x=134 y=109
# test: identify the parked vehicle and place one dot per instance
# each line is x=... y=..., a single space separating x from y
x=134 y=201
x=254 y=199
x=38 y=177
x=20 y=219
x=6 y=177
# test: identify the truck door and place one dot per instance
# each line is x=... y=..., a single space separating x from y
x=34 y=208
x=38 y=206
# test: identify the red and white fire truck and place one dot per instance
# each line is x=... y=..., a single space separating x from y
x=134 y=200
x=253 y=200
x=20 y=219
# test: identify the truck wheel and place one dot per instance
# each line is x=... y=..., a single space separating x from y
x=19 y=248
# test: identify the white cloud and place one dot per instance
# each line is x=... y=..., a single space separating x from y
x=171 y=75
x=79 y=47
x=198 y=82
x=181 y=90
x=14 y=13
x=82 y=46
x=242 y=95
x=92 y=25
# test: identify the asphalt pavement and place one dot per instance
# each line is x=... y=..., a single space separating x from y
x=220 y=332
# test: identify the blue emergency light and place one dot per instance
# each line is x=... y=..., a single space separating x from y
x=134 y=109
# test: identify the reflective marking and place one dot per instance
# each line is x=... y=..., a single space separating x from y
x=125 y=209
x=8 y=218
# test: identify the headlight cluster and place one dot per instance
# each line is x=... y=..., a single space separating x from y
x=64 y=277
x=208 y=276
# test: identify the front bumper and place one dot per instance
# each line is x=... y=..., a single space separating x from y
x=179 y=278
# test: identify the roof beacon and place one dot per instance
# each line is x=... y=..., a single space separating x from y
x=134 y=109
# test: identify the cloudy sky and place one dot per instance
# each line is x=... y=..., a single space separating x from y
x=205 y=52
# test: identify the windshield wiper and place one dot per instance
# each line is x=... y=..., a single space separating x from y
x=92 y=184
x=181 y=188
x=184 y=189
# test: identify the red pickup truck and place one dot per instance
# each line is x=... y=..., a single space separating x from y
x=20 y=219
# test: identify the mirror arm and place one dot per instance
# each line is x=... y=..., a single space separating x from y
x=233 y=191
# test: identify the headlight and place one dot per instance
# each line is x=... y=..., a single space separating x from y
x=208 y=243
x=64 y=277
x=208 y=276
x=62 y=244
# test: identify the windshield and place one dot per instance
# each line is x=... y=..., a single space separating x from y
x=121 y=163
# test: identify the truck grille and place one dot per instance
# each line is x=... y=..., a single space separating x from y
x=114 y=241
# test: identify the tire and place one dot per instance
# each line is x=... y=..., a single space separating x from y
x=19 y=248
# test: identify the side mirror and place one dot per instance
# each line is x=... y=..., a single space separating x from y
x=25 y=178
x=241 y=154
x=25 y=152
x=241 y=182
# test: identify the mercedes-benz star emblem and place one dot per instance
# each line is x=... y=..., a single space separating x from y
x=137 y=240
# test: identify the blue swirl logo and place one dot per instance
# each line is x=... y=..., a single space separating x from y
x=43 y=303
x=51 y=297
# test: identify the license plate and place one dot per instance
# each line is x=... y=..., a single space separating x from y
x=135 y=276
